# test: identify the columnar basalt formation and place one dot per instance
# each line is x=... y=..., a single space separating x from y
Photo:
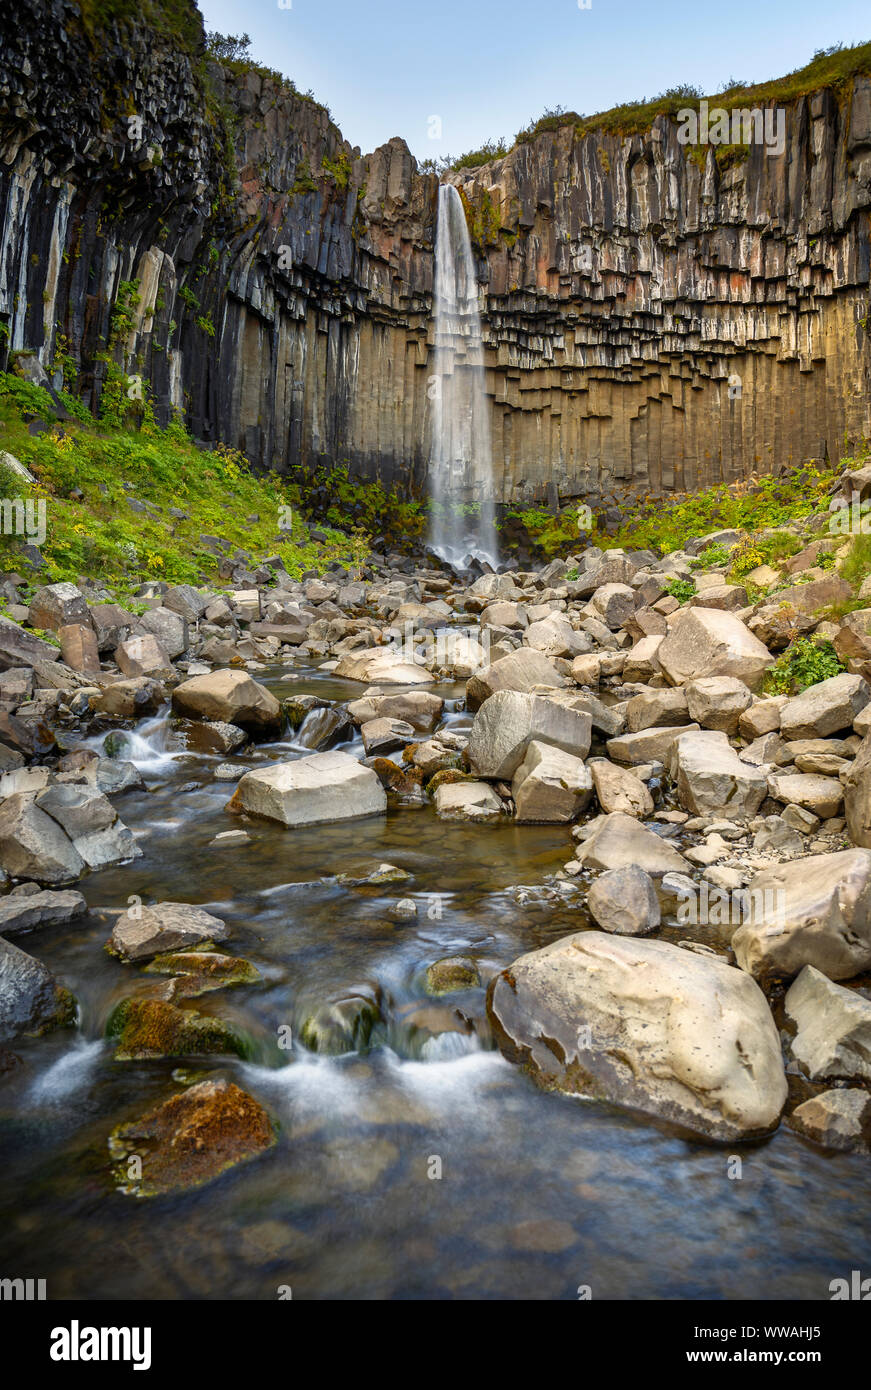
x=282 y=282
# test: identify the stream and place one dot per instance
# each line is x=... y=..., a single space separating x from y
x=427 y=1166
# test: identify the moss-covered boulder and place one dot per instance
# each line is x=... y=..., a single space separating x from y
x=447 y=777
x=200 y=972
x=342 y=1024
x=145 y=1028
x=451 y=973
x=189 y=1140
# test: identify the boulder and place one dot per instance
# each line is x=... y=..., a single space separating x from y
x=129 y=699
x=656 y=709
x=508 y=721
x=419 y=708
x=613 y=604
x=145 y=1028
x=382 y=736
x=857 y=796
x=31 y=1000
x=717 y=702
x=169 y=628
x=820 y=795
x=78 y=648
x=18 y=647
x=550 y=786
x=22 y=912
x=836 y=1120
x=648 y=745
x=186 y=601
x=520 y=671
x=712 y=780
x=143 y=932
x=619 y=840
x=761 y=717
x=833 y=1028
x=642 y=660
x=190 y=1139
x=33 y=845
x=619 y=790
x=231 y=697
x=710 y=642
x=320 y=788
x=814 y=911
x=468 y=801
x=58 y=605
x=555 y=636
x=624 y=901
x=384 y=666
x=825 y=708
x=647 y=1025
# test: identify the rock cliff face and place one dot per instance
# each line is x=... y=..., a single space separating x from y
x=282 y=283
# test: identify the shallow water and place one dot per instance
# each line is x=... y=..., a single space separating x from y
x=538 y=1194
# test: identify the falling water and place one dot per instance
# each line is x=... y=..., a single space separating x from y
x=460 y=462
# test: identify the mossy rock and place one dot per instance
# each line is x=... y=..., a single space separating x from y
x=189 y=1140
x=399 y=780
x=446 y=776
x=199 y=972
x=147 y=1028
x=341 y=1025
x=452 y=973
x=116 y=743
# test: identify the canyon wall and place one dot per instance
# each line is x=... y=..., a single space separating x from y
x=653 y=321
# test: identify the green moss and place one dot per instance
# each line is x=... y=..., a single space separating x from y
x=451 y=973
x=200 y=972
x=303 y=181
x=338 y=169
x=98 y=533
x=146 y=1028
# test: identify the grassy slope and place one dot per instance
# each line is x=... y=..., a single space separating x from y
x=101 y=537
x=832 y=70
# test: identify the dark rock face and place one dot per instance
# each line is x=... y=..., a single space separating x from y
x=284 y=282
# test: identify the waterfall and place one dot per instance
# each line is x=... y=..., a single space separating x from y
x=461 y=469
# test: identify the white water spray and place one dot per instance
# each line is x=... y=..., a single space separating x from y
x=461 y=465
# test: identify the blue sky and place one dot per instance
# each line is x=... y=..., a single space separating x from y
x=485 y=67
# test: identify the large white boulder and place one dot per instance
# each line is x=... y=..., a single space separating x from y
x=814 y=911
x=619 y=839
x=833 y=1028
x=382 y=666
x=712 y=780
x=508 y=721
x=825 y=708
x=231 y=697
x=550 y=786
x=648 y=1025
x=323 y=787
x=710 y=642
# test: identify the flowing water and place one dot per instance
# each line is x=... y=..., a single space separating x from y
x=538 y=1194
x=460 y=476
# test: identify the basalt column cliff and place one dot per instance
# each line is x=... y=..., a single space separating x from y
x=209 y=230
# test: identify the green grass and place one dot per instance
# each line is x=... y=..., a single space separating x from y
x=857 y=564
x=832 y=68
x=666 y=524
x=99 y=536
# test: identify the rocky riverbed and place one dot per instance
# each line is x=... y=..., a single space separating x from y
x=391 y=933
